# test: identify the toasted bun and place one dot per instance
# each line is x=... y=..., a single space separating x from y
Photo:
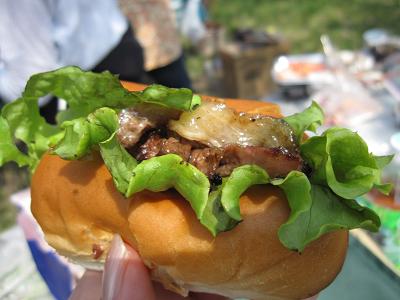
x=79 y=210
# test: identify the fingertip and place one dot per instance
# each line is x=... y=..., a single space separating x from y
x=138 y=282
x=125 y=275
x=88 y=287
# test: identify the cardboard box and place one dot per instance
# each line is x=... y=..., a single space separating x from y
x=247 y=70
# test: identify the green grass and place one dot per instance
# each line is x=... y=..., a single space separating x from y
x=303 y=22
x=12 y=179
x=7 y=212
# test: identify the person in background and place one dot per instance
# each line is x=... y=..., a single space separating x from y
x=43 y=35
x=155 y=27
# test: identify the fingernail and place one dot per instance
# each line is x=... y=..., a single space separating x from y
x=114 y=268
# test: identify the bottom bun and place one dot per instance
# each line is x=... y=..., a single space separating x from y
x=79 y=210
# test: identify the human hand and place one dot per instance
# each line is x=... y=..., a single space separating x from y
x=126 y=277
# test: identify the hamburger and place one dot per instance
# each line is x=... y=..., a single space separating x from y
x=224 y=197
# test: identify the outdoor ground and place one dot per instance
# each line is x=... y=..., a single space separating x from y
x=302 y=22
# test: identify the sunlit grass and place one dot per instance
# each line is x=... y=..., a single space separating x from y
x=303 y=22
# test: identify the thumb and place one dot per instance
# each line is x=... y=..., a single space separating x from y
x=125 y=276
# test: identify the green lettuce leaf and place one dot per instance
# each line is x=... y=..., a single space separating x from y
x=82 y=134
x=119 y=162
x=309 y=119
x=8 y=150
x=383 y=161
x=222 y=211
x=76 y=139
x=237 y=183
x=340 y=159
x=181 y=99
x=316 y=210
x=84 y=93
x=215 y=218
x=87 y=91
x=170 y=171
x=25 y=124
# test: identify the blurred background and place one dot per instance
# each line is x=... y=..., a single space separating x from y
x=343 y=54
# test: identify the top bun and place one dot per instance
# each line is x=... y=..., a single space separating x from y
x=79 y=210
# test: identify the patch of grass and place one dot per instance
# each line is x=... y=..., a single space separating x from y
x=7 y=212
x=12 y=179
x=303 y=22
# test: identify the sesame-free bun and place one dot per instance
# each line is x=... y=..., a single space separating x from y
x=79 y=210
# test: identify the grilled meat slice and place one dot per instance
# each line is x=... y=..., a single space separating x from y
x=277 y=162
x=137 y=120
x=150 y=147
x=206 y=160
x=131 y=127
x=172 y=145
x=156 y=145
